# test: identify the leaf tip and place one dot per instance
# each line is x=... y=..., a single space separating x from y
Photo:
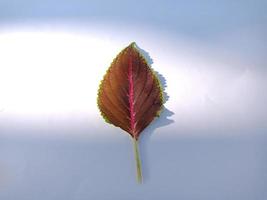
x=133 y=44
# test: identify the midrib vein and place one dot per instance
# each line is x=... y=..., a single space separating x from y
x=131 y=96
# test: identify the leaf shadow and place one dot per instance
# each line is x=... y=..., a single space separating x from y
x=161 y=121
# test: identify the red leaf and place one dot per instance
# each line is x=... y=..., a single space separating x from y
x=130 y=95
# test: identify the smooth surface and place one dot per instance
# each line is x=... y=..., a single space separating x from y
x=210 y=141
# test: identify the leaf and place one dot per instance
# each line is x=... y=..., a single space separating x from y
x=130 y=95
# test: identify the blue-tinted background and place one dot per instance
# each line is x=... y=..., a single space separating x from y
x=210 y=141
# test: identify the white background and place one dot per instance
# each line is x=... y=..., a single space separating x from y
x=210 y=141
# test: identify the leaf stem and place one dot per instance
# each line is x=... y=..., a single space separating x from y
x=137 y=161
